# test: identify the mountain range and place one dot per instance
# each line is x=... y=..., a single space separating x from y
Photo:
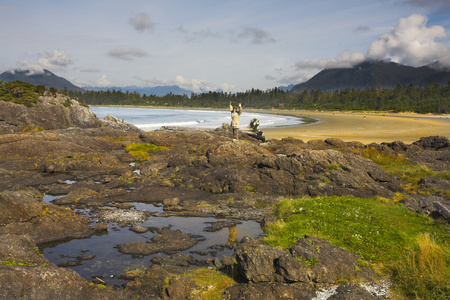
x=378 y=74
x=47 y=78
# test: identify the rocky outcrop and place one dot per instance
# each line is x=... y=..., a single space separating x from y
x=51 y=112
x=270 y=273
x=229 y=167
x=310 y=260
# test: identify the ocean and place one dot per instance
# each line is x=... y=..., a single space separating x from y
x=151 y=119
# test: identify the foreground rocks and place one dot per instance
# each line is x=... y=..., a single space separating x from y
x=203 y=173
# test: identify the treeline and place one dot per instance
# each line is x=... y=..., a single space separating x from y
x=431 y=98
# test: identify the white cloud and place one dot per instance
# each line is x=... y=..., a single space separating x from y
x=345 y=60
x=195 y=85
x=53 y=61
x=127 y=54
x=412 y=43
x=142 y=22
x=103 y=82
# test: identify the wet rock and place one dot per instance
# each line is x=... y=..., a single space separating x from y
x=66 y=264
x=167 y=241
x=351 y=292
x=173 y=261
x=138 y=229
x=100 y=227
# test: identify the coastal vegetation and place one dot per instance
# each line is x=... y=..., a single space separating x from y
x=391 y=239
x=431 y=98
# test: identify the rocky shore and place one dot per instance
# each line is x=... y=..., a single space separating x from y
x=83 y=161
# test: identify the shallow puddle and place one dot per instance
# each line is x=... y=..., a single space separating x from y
x=97 y=256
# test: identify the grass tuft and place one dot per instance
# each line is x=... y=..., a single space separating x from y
x=140 y=151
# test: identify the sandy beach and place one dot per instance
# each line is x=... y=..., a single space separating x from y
x=364 y=127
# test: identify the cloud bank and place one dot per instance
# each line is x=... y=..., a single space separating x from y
x=53 y=61
x=410 y=43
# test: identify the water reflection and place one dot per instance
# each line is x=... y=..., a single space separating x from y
x=232 y=236
x=106 y=262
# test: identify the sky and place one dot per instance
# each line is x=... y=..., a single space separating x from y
x=207 y=45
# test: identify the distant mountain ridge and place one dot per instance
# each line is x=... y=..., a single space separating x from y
x=157 y=90
x=376 y=74
x=47 y=78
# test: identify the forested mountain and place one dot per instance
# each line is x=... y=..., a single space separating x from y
x=431 y=98
x=47 y=79
x=377 y=74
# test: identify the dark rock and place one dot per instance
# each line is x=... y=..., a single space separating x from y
x=167 y=241
x=20 y=206
x=433 y=142
x=425 y=204
x=256 y=260
x=151 y=283
x=270 y=291
x=173 y=261
x=434 y=183
x=180 y=289
x=398 y=146
x=351 y=292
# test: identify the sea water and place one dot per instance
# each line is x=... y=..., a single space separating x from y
x=151 y=119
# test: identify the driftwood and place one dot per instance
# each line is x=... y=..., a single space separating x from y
x=442 y=210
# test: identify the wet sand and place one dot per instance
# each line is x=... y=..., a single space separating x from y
x=364 y=127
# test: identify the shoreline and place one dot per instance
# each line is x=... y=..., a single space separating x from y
x=364 y=127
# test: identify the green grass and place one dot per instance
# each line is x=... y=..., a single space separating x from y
x=400 y=166
x=380 y=231
x=140 y=151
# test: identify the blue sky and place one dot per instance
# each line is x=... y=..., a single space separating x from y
x=205 y=45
